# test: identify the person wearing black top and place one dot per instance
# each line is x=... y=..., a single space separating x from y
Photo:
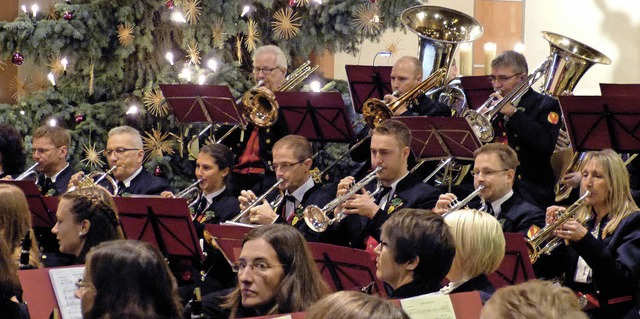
x=50 y=149
x=12 y=156
x=415 y=253
x=531 y=124
x=603 y=254
x=292 y=163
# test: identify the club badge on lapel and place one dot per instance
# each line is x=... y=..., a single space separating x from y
x=394 y=204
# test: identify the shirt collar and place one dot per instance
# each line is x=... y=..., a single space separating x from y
x=395 y=184
x=300 y=191
x=497 y=204
x=127 y=181
x=213 y=195
x=53 y=178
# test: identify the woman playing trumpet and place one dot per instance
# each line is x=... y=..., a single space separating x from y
x=214 y=203
x=604 y=253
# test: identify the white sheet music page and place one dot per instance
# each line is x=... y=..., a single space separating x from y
x=64 y=281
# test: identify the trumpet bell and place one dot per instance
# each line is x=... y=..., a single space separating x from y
x=480 y=125
x=316 y=219
x=260 y=107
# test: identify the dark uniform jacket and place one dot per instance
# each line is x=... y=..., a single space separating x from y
x=58 y=187
x=223 y=207
x=615 y=261
x=480 y=284
x=146 y=184
x=532 y=132
x=517 y=215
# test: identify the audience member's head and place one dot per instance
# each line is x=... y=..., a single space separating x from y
x=128 y=279
x=12 y=156
x=85 y=218
x=15 y=218
x=354 y=305
x=416 y=247
x=474 y=231
x=533 y=300
x=276 y=273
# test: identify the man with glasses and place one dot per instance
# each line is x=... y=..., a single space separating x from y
x=50 y=148
x=252 y=147
x=291 y=163
x=531 y=125
x=124 y=151
x=495 y=168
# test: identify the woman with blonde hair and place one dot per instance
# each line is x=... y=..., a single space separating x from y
x=354 y=305
x=480 y=248
x=15 y=223
x=603 y=253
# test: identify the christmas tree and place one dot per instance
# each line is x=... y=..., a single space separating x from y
x=101 y=59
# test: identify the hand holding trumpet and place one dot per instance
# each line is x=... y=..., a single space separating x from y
x=261 y=214
x=571 y=230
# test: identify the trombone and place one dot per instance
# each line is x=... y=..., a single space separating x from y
x=28 y=172
x=259 y=200
x=317 y=218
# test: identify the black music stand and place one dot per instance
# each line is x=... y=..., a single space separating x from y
x=368 y=81
x=192 y=103
x=615 y=89
x=228 y=231
x=162 y=222
x=599 y=122
x=320 y=117
x=477 y=88
x=516 y=265
x=346 y=268
x=43 y=210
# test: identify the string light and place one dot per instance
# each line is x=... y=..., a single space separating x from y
x=245 y=11
x=53 y=122
x=177 y=16
x=34 y=9
x=201 y=79
x=185 y=74
x=169 y=57
x=52 y=78
x=212 y=64
x=64 y=63
x=133 y=109
x=315 y=86
x=24 y=8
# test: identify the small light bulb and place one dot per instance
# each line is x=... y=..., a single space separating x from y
x=34 y=9
x=384 y=53
x=64 y=63
x=315 y=86
x=177 y=16
x=245 y=10
x=24 y=8
x=53 y=122
x=185 y=74
x=212 y=64
x=169 y=57
x=318 y=1
x=52 y=78
x=132 y=110
x=22 y=112
x=201 y=79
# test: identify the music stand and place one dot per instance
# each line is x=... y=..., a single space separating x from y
x=516 y=266
x=43 y=209
x=345 y=268
x=320 y=117
x=599 y=122
x=162 y=222
x=192 y=103
x=614 y=89
x=37 y=292
x=227 y=231
x=477 y=88
x=367 y=81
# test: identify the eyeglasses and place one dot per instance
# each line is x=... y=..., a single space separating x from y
x=488 y=172
x=265 y=71
x=501 y=78
x=285 y=166
x=256 y=266
x=43 y=150
x=119 y=151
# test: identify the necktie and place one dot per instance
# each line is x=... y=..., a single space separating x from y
x=121 y=188
x=288 y=215
x=490 y=210
x=202 y=205
x=46 y=186
x=383 y=192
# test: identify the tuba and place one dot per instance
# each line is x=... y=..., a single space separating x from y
x=570 y=61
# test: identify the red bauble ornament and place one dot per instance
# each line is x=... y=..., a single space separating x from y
x=158 y=171
x=293 y=2
x=17 y=58
x=67 y=16
x=79 y=118
x=170 y=5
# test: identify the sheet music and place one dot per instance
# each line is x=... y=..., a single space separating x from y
x=64 y=281
x=239 y=224
x=431 y=306
x=283 y=317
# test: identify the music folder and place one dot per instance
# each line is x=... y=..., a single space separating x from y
x=368 y=81
x=192 y=103
x=43 y=208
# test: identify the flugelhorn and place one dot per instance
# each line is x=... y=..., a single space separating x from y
x=88 y=180
x=545 y=241
x=258 y=201
x=28 y=172
x=457 y=205
x=192 y=188
x=317 y=218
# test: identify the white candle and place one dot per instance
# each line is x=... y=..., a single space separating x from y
x=519 y=47
x=466 y=59
x=489 y=54
x=52 y=78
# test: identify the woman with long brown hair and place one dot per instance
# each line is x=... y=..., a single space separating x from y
x=604 y=252
x=15 y=223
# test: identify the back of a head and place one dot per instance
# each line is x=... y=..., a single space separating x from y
x=354 y=305
x=15 y=218
x=138 y=273
x=12 y=156
x=533 y=300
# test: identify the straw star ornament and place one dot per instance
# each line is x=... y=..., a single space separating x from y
x=251 y=39
x=91 y=156
x=192 y=11
x=19 y=87
x=125 y=34
x=286 y=24
x=156 y=143
x=366 y=18
x=155 y=103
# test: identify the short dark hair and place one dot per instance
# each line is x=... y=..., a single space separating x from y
x=222 y=155
x=396 y=128
x=421 y=233
x=299 y=144
x=507 y=155
x=512 y=59
x=90 y=204
x=131 y=280
x=58 y=135
x=12 y=154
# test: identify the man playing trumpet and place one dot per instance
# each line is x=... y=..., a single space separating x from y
x=50 y=149
x=291 y=163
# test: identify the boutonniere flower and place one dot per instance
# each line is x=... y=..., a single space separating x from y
x=394 y=204
x=208 y=215
x=51 y=192
x=299 y=212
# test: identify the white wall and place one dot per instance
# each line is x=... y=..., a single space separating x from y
x=609 y=26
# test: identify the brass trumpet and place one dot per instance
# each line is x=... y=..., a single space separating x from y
x=544 y=241
x=192 y=188
x=259 y=200
x=317 y=218
x=87 y=180
x=457 y=205
x=28 y=172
